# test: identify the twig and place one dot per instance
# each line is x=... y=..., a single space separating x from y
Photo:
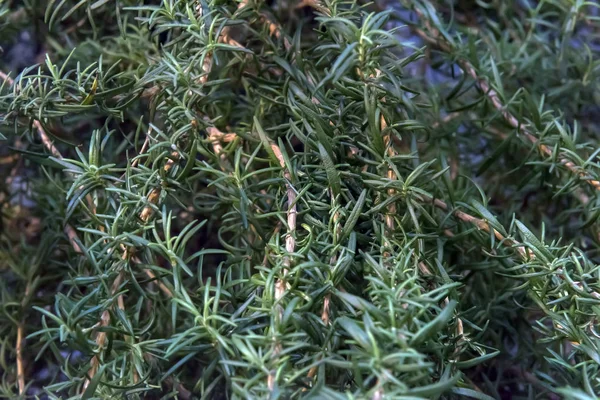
x=482 y=225
x=20 y=343
x=145 y=145
x=290 y=245
x=290 y=240
x=73 y=238
x=389 y=217
x=20 y=363
x=437 y=40
x=526 y=253
x=579 y=193
x=275 y=30
x=41 y=132
x=274 y=27
x=154 y=195
x=69 y=230
x=216 y=136
x=101 y=336
x=161 y=285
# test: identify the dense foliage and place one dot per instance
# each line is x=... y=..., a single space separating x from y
x=317 y=199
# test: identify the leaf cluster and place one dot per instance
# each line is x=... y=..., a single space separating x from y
x=223 y=199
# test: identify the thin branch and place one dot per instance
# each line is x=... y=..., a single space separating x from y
x=101 y=336
x=20 y=363
x=436 y=39
x=482 y=225
x=216 y=136
x=144 y=148
x=290 y=240
x=21 y=342
x=69 y=230
x=579 y=193
x=41 y=132
x=526 y=253
x=161 y=285
x=275 y=29
x=73 y=239
x=154 y=195
x=290 y=246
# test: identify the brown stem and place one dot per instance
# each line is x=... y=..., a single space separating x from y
x=325 y=317
x=101 y=336
x=69 y=230
x=154 y=195
x=290 y=241
x=579 y=193
x=290 y=245
x=20 y=363
x=41 y=132
x=436 y=39
x=274 y=27
x=73 y=238
x=161 y=285
x=21 y=342
x=482 y=225
x=144 y=147
x=216 y=136
x=526 y=254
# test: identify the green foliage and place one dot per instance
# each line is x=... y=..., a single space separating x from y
x=223 y=199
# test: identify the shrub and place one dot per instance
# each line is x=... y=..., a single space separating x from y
x=326 y=199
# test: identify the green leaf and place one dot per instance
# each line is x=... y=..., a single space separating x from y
x=435 y=389
x=355 y=332
x=571 y=393
x=495 y=156
x=477 y=360
x=266 y=142
x=489 y=217
x=332 y=174
x=93 y=384
x=497 y=81
x=354 y=215
x=470 y=393
x=434 y=326
x=341 y=65
x=538 y=247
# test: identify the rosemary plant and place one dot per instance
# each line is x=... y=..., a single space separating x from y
x=322 y=199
